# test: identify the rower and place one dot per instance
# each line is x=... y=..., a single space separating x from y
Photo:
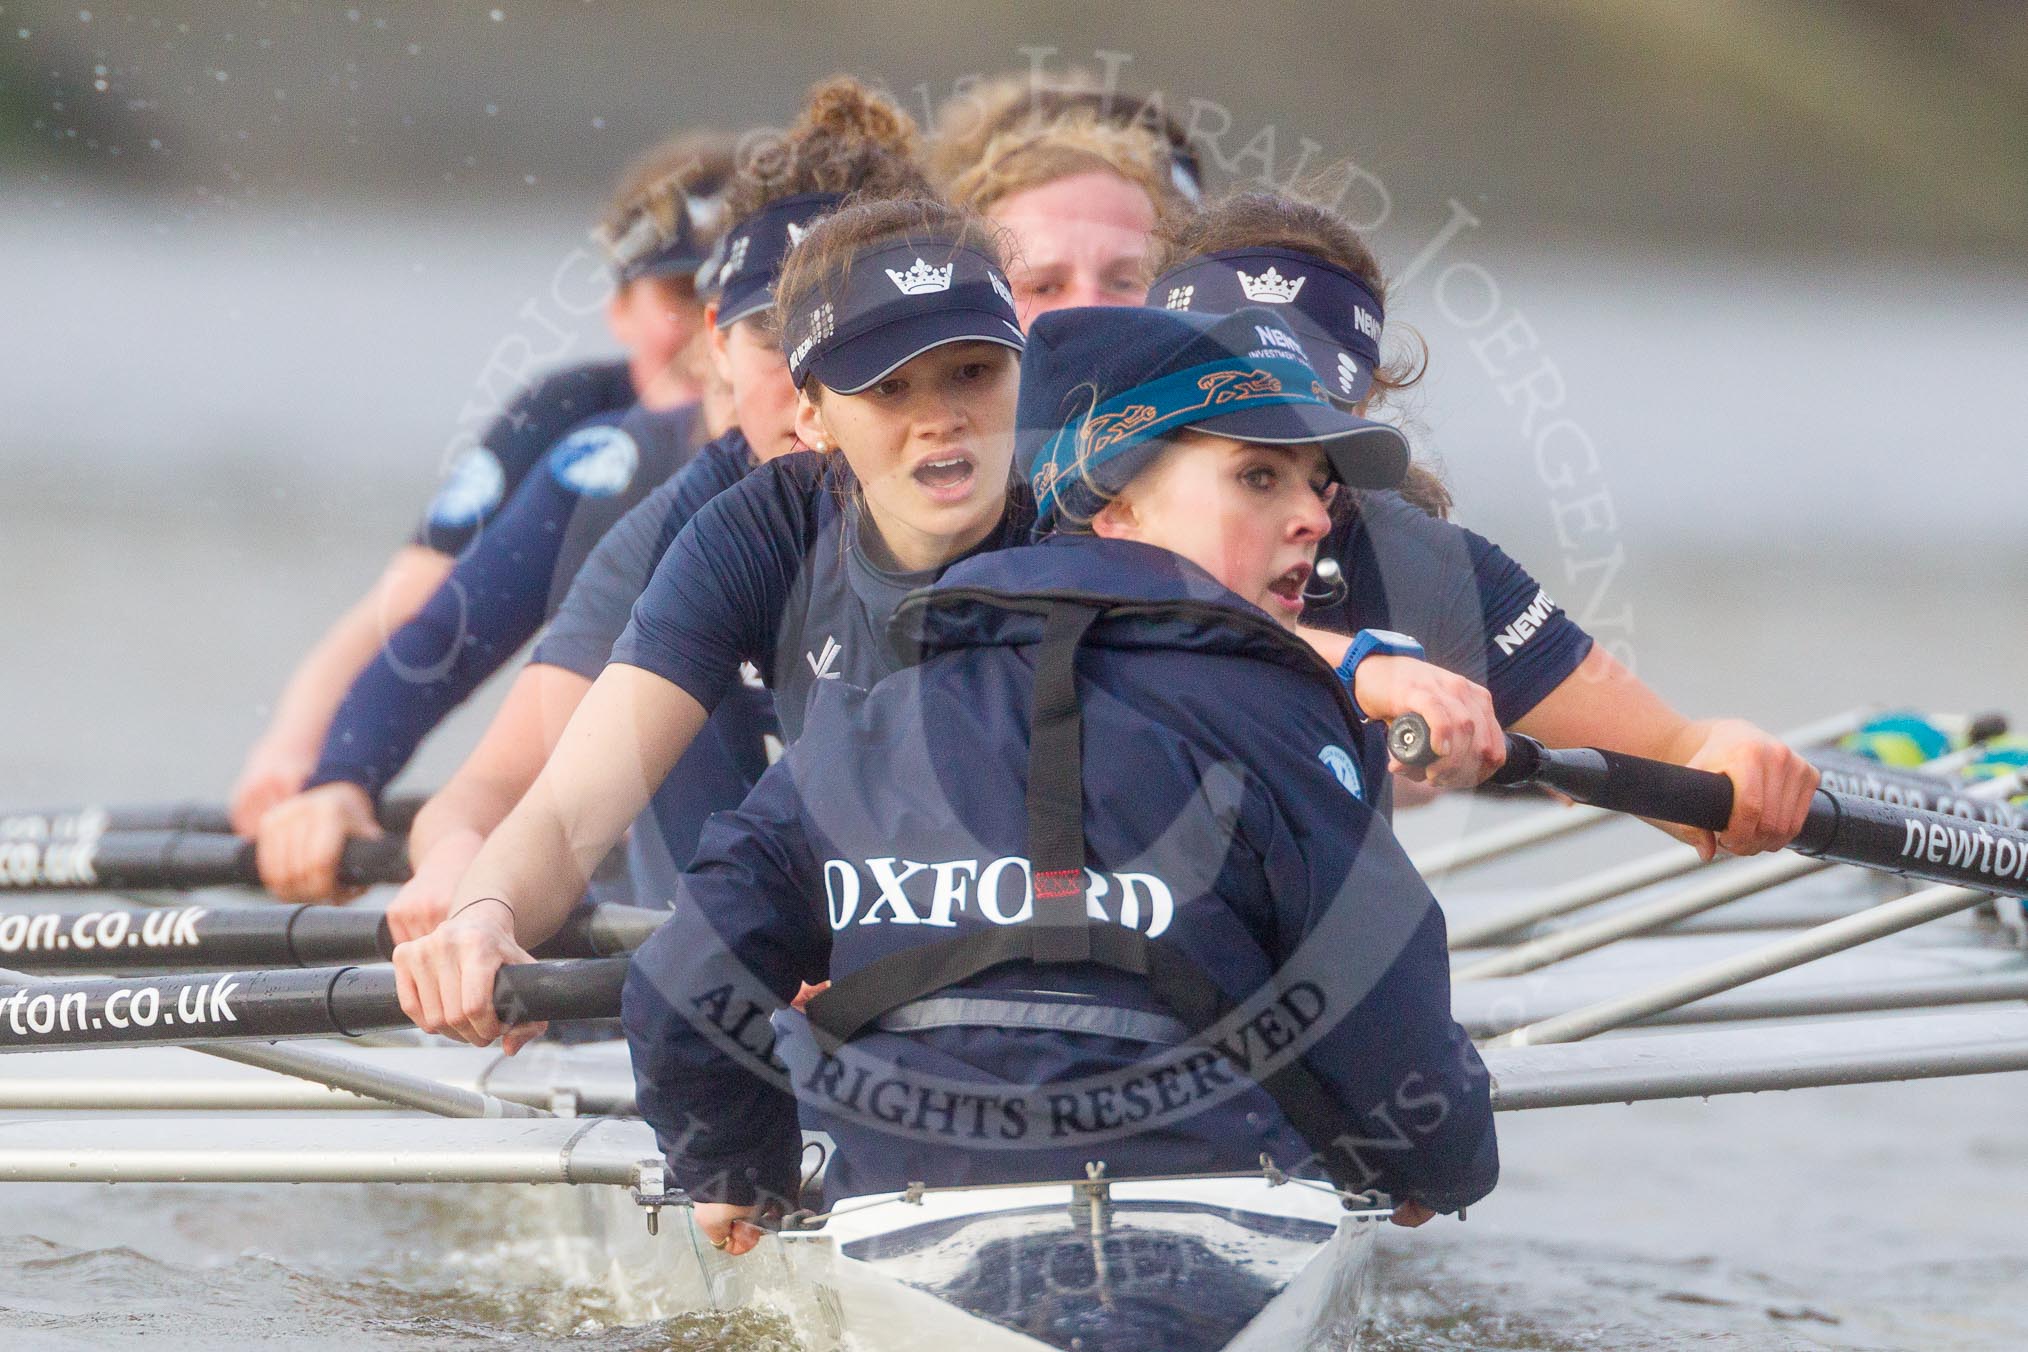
x=1404 y=567
x=1103 y=879
x=658 y=226
x=847 y=137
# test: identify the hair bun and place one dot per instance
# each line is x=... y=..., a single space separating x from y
x=845 y=109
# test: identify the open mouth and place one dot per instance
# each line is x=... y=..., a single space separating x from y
x=946 y=476
x=1288 y=588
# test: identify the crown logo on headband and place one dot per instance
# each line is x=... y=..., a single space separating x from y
x=1270 y=288
x=1179 y=297
x=922 y=279
x=1000 y=287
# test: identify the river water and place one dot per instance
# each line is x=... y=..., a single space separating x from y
x=197 y=479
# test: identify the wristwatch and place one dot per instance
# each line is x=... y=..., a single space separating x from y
x=1368 y=642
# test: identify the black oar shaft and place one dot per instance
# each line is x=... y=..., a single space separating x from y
x=171 y=860
x=211 y=938
x=207 y=938
x=1840 y=827
x=315 y=1002
x=72 y=823
x=1858 y=777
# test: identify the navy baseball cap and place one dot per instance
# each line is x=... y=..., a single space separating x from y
x=745 y=265
x=648 y=248
x=1102 y=387
x=1337 y=316
x=897 y=302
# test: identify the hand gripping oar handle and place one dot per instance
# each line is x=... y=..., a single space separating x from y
x=1607 y=779
x=1845 y=829
x=173 y=860
x=315 y=1002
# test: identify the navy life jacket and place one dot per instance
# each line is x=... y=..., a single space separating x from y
x=1131 y=627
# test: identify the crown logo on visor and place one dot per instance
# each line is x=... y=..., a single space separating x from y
x=734 y=258
x=796 y=233
x=1000 y=288
x=1270 y=288
x=1348 y=373
x=1179 y=297
x=922 y=279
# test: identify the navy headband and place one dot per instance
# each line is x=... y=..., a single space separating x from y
x=750 y=257
x=1337 y=315
x=895 y=303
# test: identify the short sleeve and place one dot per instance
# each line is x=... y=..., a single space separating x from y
x=717 y=597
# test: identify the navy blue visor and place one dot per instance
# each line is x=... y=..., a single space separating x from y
x=749 y=259
x=896 y=303
x=1334 y=313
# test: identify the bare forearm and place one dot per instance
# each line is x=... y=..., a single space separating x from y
x=629 y=730
x=504 y=765
x=1603 y=704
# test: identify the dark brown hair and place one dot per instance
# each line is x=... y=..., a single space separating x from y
x=848 y=139
x=1268 y=220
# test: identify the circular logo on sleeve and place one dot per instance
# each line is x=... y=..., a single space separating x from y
x=470 y=490
x=1340 y=763
x=595 y=462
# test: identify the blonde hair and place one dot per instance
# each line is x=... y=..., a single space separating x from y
x=968 y=122
x=1016 y=160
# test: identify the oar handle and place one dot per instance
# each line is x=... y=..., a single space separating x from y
x=1941 y=847
x=1607 y=779
x=312 y=1002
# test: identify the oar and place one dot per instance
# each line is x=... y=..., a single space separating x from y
x=1887 y=918
x=1659 y=867
x=312 y=1002
x=1538 y=828
x=172 y=860
x=208 y=938
x=1840 y=828
x=73 y=823
x=1846 y=773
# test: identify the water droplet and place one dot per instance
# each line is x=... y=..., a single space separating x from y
x=220 y=76
x=492 y=110
x=415 y=49
x=21 y=33
x=84 y=16
x=100 y=85
x=598 y=124
x=496 y=16
x=529 y=179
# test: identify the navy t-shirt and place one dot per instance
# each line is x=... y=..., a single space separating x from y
x=502 y=589
x=772 y=572
x=1475 y=610
x=487 y=475
x=733 y=749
